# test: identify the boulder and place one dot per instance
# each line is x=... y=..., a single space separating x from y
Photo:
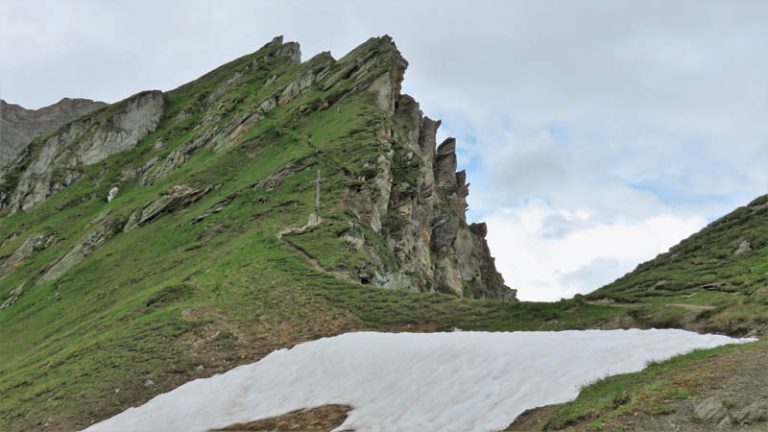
x=710 y=410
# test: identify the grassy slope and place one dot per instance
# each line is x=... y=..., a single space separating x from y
x=662 y=396
x=159 y=302
x=171 y=300
x=700 y=284
x=724 y=292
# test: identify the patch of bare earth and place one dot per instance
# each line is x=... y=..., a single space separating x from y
x=318 y=419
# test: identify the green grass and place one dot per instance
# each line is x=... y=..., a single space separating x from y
x=160 y=301
x=704 y=270
x=211 y=286
x=649 y=392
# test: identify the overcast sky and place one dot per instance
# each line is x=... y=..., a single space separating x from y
x=596 y=134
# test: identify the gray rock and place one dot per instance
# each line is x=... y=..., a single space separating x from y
x=744 y=247
x=105 y=228
x=755 y=412
x=58 y=161
x=12 y=297
x=33 y=244
x=710 y=410
x=112 y=194
x=172 y=199
x=20 y=125
x=413 y=195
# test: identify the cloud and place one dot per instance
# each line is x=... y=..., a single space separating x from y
x=550 y=254
x=633 y=113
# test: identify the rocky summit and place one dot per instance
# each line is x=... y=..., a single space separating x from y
x=173 y=234
x=401 y=201
x=18 y=126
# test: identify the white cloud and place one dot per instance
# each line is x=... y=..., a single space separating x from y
x=630 y=111
x=548 y=254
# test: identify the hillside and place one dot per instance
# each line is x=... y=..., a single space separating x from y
x=174 y=235
x=714 y=281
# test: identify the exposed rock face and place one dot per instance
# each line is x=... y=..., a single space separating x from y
x=18 y=126
x=104 y=229
x=57 y=162
x=33 y=244
x=409 y=194
x=744 y=247
x=414 y=197
x=171 y=200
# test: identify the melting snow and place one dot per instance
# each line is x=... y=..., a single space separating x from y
x=460 y=381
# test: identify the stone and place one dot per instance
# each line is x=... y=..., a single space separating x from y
x=445 y=164
x=105 y=228
x=20 y=125
x=36 y=243
x=112 y=194
x=12 y=297
x=414 y=198
x=170 y=200
x=744 y=247
x=58 y=161
x=710 y=410
x=756 y=412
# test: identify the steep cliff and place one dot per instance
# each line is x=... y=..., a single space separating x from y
x=273 y=200
x=404 y=192
x=43 y=167
x=18 y=126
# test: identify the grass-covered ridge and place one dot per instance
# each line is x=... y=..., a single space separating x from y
x=208 y=286
x=662 y=396
x=716 y=280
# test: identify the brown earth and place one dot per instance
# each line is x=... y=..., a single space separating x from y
x=318 y=419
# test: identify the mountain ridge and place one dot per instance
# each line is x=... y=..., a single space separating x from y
x=19 y=125
x=175 y=235
x=188 y=228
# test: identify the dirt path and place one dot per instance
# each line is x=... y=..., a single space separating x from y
x=693 y=307
x=313 y=222
x=687 y=306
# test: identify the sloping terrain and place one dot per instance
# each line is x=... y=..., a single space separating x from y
x=171 y=236
x=174 y=235
x=446 y=381
x=714 y=281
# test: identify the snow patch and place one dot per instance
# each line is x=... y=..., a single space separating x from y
x=458 y=381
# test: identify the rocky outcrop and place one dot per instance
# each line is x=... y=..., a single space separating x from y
x=33 y=244
x=408 y=195
x=18 y=125
x=173 y=199
x=104 y=228
x=413 y=197
x=56 y=162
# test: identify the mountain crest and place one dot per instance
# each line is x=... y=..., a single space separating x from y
x=388 y=198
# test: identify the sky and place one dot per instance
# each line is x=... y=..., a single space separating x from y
x=595 y=134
